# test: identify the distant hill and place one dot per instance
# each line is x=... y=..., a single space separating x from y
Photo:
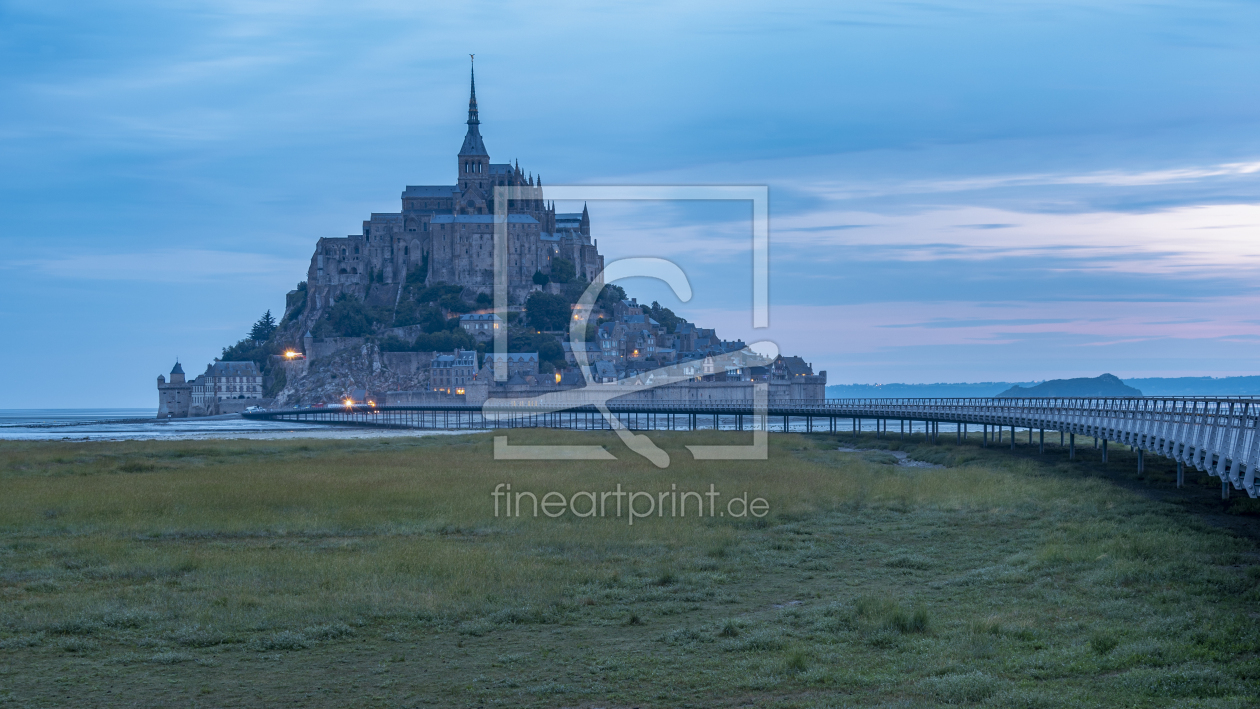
x=1198 y=386
x=1153 y=386
x=1104 y=385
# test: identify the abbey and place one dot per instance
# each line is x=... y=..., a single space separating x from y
x=447 y=233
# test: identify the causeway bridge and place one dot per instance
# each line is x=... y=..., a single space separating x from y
x=1216 y=435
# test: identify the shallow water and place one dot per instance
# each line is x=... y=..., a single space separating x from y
x=139 y=424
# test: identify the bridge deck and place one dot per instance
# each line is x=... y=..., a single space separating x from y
x=1217 y=435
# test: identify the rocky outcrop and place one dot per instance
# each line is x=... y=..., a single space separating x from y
x=338 y=374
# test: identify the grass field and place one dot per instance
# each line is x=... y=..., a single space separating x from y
x=375 y=573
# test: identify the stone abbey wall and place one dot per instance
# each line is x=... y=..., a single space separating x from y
x=447 y=232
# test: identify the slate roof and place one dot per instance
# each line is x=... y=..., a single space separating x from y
x=795 y=366
x=232 y=369
x=430 y=191
x=512 y=356
x=464 y=358
x=481 y=219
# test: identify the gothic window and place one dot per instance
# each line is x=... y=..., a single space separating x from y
x=343 y=253
x=406 y=251
x=356 y=249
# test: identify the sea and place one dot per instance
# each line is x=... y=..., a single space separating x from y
x=140 y=424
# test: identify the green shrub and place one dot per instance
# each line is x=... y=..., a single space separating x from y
x=1102 y=643
x=796 y=662
x=547 y=311
x=902 y=622
x=562 y=270
x=969 y=688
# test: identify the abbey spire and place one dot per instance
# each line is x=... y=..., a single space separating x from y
x=472 y=140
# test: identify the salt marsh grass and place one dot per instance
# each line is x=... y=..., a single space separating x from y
x=997 y=579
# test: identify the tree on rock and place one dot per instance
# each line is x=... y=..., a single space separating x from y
x=540 y=278
x=547 y=311
x=562 y=270
x=262 y=329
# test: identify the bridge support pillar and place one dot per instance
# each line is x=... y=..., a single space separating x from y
x=1012 y=437
x=1224 y=489
x=1141 y=462
x=1071 y=446
x=984 y=441
x=903 y=428
x=1181 y=473
x=831 y=424
x=1104 y=450
x=1041 y=445
x=1060 y=439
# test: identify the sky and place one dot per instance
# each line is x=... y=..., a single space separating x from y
x=963 y=191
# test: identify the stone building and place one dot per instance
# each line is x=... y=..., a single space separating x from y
x=452 y=373
x=227 y=387
x=447 y=232
x=480 y=325
x=523 y=363
x=174 y=397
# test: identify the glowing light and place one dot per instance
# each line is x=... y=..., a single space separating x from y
x=349 y=402
x=290 y=354
x=557 y=377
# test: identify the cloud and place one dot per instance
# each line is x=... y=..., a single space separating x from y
x=1105 y=178
x=169 y=266
x=866 y=341
x=1185 y=241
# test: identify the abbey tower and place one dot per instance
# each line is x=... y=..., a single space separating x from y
x=446 y=233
